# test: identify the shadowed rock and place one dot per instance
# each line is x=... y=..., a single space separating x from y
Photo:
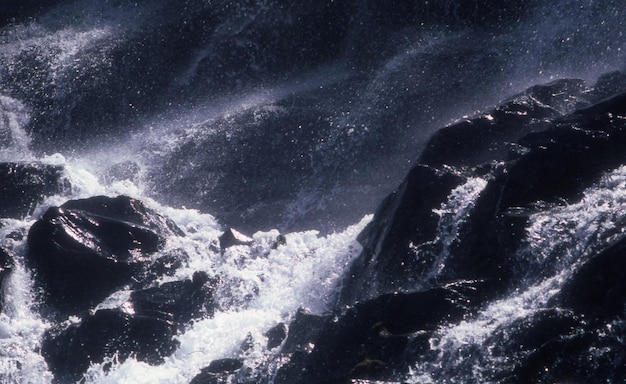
x=86 y=249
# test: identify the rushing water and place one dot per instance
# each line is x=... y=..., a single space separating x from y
x=280 y=118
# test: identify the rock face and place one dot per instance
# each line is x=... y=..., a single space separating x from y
x=536 y=151
x=532 y=152
x=86 y=249
x=24 y=185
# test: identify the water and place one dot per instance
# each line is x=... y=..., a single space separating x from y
x=275 y=119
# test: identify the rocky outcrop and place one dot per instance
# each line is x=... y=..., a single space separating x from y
x=86 y=249
x=371 y=339
x=24 y=185
x=536 y=151
x=144 y=326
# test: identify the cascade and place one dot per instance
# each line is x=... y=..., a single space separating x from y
x=356 y=191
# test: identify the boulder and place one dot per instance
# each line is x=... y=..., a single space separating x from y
x=24 y=185
x=143 y=327
x=561 y=145
x=276 y=335
x=217 y=371
x=107 y=332
x=86 y=249
x=488 y=137
x=177 y=301
x=558 y=346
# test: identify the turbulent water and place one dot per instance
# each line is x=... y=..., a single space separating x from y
x=284 y=117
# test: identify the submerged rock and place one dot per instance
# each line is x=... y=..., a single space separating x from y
x=86 y=249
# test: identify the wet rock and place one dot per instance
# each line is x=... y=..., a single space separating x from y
x=387 y=262
x=24 y=185
x=107 y=332
x=280 y=240
x=232 y=237
x=217 y=371
x=608 y=85
x=86 y=249
x=598 y=288
x=177 y=301
x=143 y=327
x=559 y=346
x=7 y=264
x=276 y=335
x=557 y=157
x=487 y=137
x=166 y=265
x=302 y=331
x=370 y=340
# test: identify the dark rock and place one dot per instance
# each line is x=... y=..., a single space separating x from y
x=86 y=249
x=608 y=85
x=216 y=370
x=598 y=288
x=205 y=378
x=557 y=160
x=487 y=137
x=166 y=265
x=69 y=352
x=280 y=240
x=7 y=264
x=24 y=185
x=176 y=302
x=302 y=331
x=276 y=335
x=143 y=327
x=233 y=237
x=387 y=262
x=559 y=346
x=224 y=365
x=371 y=339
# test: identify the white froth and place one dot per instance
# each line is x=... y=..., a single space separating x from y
x=304 y=272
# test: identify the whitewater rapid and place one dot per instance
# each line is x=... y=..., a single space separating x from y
x=304 y=273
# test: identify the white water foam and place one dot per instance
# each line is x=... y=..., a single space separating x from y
x=20 y=327
x=262 y=287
